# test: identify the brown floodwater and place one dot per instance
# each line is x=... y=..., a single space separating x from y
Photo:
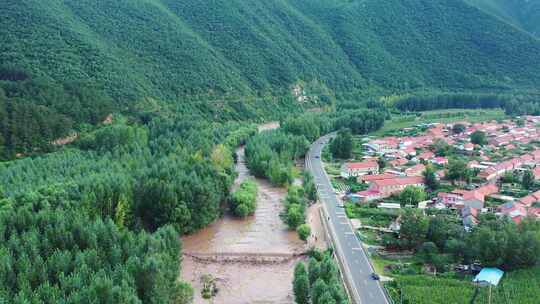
x=262 y=233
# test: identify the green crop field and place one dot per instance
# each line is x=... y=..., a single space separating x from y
x=519 y=287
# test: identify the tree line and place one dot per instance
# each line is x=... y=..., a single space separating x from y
x=436 y=101
x=296 y=202
x=271 y=154
x=320 y=282
x=441 y=240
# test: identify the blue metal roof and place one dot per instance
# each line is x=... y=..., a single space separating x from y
x=489 y=275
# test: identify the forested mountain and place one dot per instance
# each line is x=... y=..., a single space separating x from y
x=237 y=59
x=524 y=14
x=169 y=49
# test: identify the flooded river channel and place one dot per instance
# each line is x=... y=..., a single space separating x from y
x=262 y=233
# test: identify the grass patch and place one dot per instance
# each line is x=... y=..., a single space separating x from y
x=369 y=237
x=332 y=168
x=380 y=263
x=371 y=216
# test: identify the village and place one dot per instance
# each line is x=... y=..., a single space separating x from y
x=486 y=167
x=446 y=204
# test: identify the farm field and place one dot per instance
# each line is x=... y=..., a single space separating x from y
x=519 y=286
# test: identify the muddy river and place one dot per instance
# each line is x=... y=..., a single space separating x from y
x=262 y=233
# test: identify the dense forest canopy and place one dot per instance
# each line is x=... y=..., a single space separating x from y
x=171 y=49
x=524 y=14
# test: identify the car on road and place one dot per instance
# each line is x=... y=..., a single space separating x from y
x=317 y=156
x=375 y=276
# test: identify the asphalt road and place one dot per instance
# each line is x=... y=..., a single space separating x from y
x=358 y=270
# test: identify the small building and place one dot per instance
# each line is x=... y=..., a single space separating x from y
x=439 y=160
x=389 y=206
x=514 y=210
x=385 y=187
x=365 y=196
x=489 y=276
x=469 y=217
x=370 y=178
x=459 y=199
x=529 y=199
x=398 y=162
x=389 y=186
x=359 y=168
x=416 y=170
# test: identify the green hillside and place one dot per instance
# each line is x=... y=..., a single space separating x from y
x=151 y=99
x=169 y=49
x=524 y=14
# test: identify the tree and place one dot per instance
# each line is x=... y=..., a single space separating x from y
x=317 y=290
x=427 y=251
x=458 y=128
x=301 y=284
x=430 y=178
x=303 y=231
x=243 y=201
x=326 y=298
x=412 y=195
x=294 y=216
x=527 y=181
x=309 y=187
x=222 y=158
x=414 y=228
x=328 y=269
x=382 y=163
x=314 y=269
x=442 y=148
x=342 y=145
x=123 y=215
x=478 y=138
x=442 y=228
x=184 y=294
x=457 y=170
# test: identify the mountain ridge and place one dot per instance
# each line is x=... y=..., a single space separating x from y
x=175 y=50
x=524 y=14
